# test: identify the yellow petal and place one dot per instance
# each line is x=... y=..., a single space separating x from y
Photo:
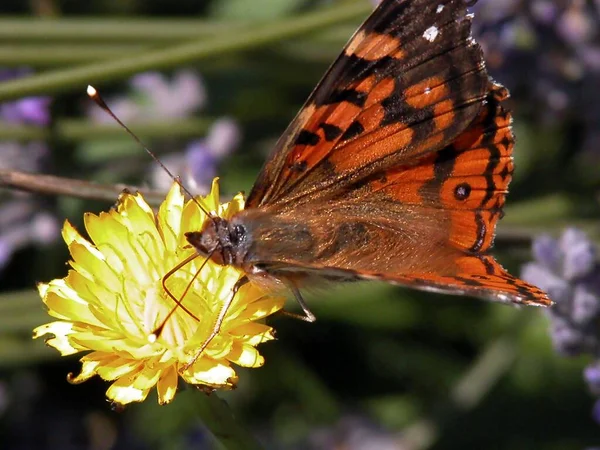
x=248 y=329
x=73 y=308
x=146 y=378
x=246 y=356
x=88 y=369
x=211 y=201
x=210 y=372
x=262 y=308
x=112 y=238
x=169 y=218
x=114 y=298
x=117 y=368
x=122 y=392
x=167 y=385
x=60 y=341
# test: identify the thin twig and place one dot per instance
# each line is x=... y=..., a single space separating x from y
x=51 y=185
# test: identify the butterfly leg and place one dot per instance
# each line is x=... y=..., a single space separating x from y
x=308 y=316
x=217 y=326
x=275 y=282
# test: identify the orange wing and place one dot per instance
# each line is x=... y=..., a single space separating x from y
x=427 y=225
x=468 y=180
x=407 y=83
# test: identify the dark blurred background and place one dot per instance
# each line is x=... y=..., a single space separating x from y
x=383 y=367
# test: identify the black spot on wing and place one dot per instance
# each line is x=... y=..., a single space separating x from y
x=306 y=137
x=332 y=132
x=352 y=96
x=355 y=129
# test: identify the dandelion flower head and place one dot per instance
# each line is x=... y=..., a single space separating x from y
x=112 y=301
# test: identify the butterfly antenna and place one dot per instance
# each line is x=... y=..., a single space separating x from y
x=94 y=95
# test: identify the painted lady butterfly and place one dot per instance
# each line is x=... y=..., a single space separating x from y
x=396 y=169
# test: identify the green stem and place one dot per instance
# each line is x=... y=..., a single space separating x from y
x=42 y=55
x=25 y=320
x=18 y=29
x=177 y=55
x=17 y=300
x=15 y=352
x=219 y=419
x=70 y=130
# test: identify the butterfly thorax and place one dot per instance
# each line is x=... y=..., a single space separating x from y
x=223 y=241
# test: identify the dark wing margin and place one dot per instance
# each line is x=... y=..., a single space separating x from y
x=406 y=84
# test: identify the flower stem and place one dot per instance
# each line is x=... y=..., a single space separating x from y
x=219 y=419
x=177 y=55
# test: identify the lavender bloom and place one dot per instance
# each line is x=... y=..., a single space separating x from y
x=568 y=271
x=353 y=433
x=29 y=110
x=558 y=42
x=22 y=221
x=156 y=97
x=197 y=164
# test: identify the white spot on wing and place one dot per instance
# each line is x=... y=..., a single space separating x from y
x=439 y=9
x=431 y=33
x=427 y=90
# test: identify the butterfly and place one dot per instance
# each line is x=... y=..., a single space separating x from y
x=396 y=169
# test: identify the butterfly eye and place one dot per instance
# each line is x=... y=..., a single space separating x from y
x=237 y=234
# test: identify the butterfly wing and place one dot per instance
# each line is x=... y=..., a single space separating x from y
x=467 y=183
x=427 y=225
x=398 y=165
x=407 y=83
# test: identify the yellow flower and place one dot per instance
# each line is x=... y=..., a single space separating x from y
x=112 y=301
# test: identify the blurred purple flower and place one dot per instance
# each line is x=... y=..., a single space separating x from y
x=350 y=432
x=28 y=110
x=558 y=42
x=197 y=164
x=353 y=433
x=22 y=221
x=156 y=96
x=591 y=374
x=31 y=110
x=566 y=268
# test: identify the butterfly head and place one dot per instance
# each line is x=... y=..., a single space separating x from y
x=221 y=240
